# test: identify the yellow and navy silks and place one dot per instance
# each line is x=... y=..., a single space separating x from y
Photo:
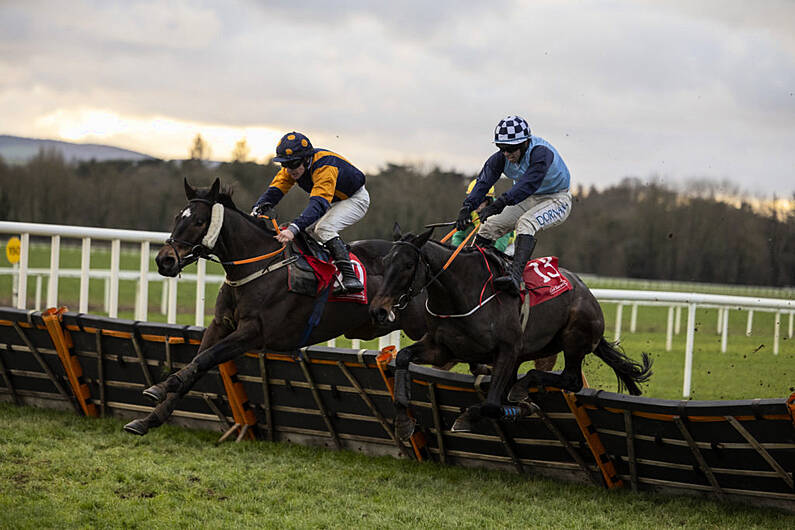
x=329 y=178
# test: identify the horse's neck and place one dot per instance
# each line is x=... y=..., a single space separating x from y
x=240 y=239
x=450 y=290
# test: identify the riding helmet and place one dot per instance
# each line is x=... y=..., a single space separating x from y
x=511 y=130
x=471 y=187
x=293 y=146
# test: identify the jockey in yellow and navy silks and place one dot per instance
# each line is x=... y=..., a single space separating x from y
x=538 y=200
x=337 y=198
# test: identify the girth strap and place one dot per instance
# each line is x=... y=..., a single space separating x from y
x=261 y=272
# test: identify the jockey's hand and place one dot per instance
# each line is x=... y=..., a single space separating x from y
x=464 y=218
x=263 y=209
x=492 y=209
x=285 y=236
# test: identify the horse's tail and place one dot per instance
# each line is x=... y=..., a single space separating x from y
x=629 y=372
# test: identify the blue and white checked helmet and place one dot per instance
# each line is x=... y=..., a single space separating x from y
x=511 y=130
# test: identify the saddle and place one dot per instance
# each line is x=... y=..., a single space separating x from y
x=302 y=276
x=313 y=270
x=542 y=277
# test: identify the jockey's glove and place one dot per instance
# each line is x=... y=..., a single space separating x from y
x=492 y=209
x=262 y=209
x=464 y=219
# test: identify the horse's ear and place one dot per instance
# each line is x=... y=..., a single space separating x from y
x=215 y=188
x=190 y=191
x=424 y=237
x=396 y=232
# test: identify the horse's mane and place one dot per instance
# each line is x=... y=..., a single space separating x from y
x=225 y=197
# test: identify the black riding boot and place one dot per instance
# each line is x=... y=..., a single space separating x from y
x=483 y=242
x=339 y=253
x=523 y=248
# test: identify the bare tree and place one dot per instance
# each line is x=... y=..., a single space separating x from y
x=200 y=149
x=241 y=151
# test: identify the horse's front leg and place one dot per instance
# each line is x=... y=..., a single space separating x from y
x=245 y=337
x=214 y=333
x=503 y=374
x=419 y=352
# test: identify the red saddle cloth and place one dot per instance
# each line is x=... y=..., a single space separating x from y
x=326 y=273
x=543 y=280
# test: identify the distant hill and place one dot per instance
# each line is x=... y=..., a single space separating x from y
x=18 y=150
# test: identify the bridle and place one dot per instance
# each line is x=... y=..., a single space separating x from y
x=197 y=251
x=205 y=248
x=404 y=299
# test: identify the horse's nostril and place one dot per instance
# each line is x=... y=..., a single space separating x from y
x=166 y=262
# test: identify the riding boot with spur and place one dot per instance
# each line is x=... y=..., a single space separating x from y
x=512 y=282
x=339 y=253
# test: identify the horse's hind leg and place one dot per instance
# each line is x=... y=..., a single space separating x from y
x=569 y=379
x=177 y=385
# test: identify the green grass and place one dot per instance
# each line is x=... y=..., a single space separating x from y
x=59 y=470
x=747 y=370
x=62 y=470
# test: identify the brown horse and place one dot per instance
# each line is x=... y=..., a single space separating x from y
x=462 y=328
x=254 y=310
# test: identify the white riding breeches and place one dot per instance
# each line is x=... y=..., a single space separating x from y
x=341 y=215
x=535 y=213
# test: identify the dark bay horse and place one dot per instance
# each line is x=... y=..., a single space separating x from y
x=462 y=328
x=259 y=312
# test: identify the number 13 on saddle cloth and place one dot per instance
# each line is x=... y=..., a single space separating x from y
x=543 y=280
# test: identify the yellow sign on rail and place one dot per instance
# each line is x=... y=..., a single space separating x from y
x=12 y=250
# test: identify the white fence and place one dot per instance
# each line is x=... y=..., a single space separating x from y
x=115 y=237
x=675 y=301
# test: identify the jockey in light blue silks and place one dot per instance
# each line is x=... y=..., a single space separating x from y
x=337 y=198
x=538 y=200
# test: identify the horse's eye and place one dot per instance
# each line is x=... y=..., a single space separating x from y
x=409 y=265
x=199 y=222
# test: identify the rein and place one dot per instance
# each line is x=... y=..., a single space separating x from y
x=481 y=301
x=406 y=297
x=205 y=248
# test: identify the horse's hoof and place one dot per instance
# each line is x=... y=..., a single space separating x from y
x=155 y=393
x=404 y=427
x=518 y=392
x=463 y=423
x=490 y=410
x=137 y=427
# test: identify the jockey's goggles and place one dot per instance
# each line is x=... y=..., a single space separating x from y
x=292 y=164
x=508 y=148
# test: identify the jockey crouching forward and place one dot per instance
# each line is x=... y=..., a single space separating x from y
x=500 y=244
x=337 y=198
x=538 y=200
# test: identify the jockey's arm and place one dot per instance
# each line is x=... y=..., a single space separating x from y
x=324 y=183
x=488 y=176
x=278 y=188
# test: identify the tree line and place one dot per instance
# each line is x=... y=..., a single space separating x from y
x=632 y=229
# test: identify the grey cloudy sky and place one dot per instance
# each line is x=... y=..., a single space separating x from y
x=676 y=89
